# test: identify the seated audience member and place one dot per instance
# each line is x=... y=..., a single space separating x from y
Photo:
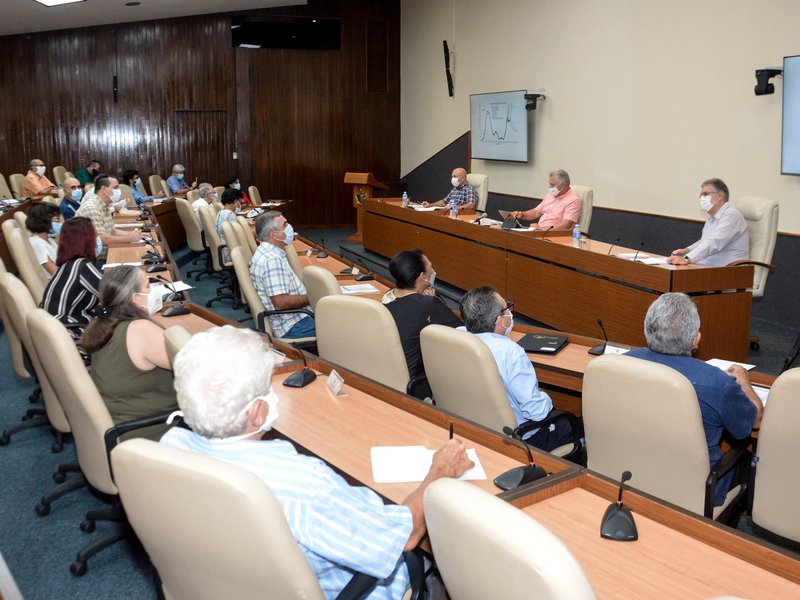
x=415 y=306
x=130 y=366
x=463 y=196
x=87 y=174
x=231 y=205
x=724 y=238
x=36 y=185
x=207 y=196
x=276 y=283
x=96 y=208
x=71 y=202
x=44 y=224
x=727 y=400
x=340 y=528
x=177 y=184
x=234 y=184
x=74 y=290
x=559 y=209
x=131 y=178
x=488 y=316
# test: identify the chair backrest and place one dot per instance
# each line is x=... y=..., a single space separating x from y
x=5 y=191
x=245 y=237
x=89 y=187
x=194 y=235
x=476 y=392
x=219 y=189
x=644 y=417
x=174 y=338
x=208 y=221
x=242 y=268
x=246 y=550
x=86 y=412
x=14 y=343
x=164 y=188
x=16 y=180
x=18 y=304
x=125 y=192
x=361 y=335
x=233 y=235
x=255 y=195
x=53 y=201
x=319 y=283
x=248 y=234
x=586 y=195
x=193 y=195
x=21 y=217
x=761 y=215
x=487 y=548
x=480 y=182
x=59 y=174
x=777 y=484
x=215 y=208
x=29 y=269
x=294 y=261
x=154 y=181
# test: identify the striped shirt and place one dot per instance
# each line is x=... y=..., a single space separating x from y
x=272 y=276
x=339 y=528
x=72 y=293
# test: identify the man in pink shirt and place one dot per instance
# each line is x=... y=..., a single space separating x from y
x=559 y=209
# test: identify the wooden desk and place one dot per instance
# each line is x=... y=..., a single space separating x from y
x=568 y=288
x=677 y=555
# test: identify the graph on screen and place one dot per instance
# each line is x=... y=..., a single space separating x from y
x=499 y=125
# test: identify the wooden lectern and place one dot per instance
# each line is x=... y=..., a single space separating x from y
x=364 y=186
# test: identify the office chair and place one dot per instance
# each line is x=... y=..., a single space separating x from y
x=14 y=343
x=5 y=191
x=644 y=417
x=30 y=271
x=485 y=547
x=480 y=182
x=174 y=338
x=194 y=237
x=59 y=174
x=586 y=195
x=192 y=195
x=477 y=392
x=247 y=232
x=294 y=261
x=319 y=283
x=154 y=181
x=254 y=195
x=16 y=180
x=220 y=266
x=21 y=218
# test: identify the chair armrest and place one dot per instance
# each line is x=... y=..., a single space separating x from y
x=746 y=263
x=260 y=318
x=111 y=436
x=555 y=415
x=414 y=382
x=725 y=464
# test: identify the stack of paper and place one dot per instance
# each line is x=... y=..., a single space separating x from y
x=405 y=464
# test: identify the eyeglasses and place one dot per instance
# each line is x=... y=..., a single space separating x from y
x=508 y=309
x=709 y=193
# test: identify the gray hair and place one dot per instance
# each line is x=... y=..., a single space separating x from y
x=480 y=309
x=178 y=168
x=204 y=189
x=213 y=400
x=561 y=175
x=719 y=187
x=115 y=306
x=671 y=324
x=266 y=223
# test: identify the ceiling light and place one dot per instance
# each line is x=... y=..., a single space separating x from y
x=57 y=2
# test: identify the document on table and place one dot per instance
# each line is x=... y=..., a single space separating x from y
x=642 y=258
x=360 y=288
x=123 y=264
x=725 y=364
x=524 y=229
x=408 y=464
x=128 y=225
x=762 y=393
x=177 y=286
x=421 y=208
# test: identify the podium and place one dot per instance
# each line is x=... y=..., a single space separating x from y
x=364 y=186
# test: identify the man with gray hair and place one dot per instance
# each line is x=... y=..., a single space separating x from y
x=207 y=196
x=177 y=184
x=559 y=209
x=724 y=238
x=341 y=529
x=727 y=400
x=276 y=283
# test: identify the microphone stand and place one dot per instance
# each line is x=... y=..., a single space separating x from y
x=519 y=475
x=301 y=378
x=600 y=349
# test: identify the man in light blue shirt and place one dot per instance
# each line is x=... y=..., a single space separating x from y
x=340 y=529
x=177 y=183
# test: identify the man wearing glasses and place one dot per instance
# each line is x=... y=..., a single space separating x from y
x=488 y=315
x=724 y=238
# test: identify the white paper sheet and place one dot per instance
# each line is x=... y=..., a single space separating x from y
x=421 y=208
x=409 y=464
x=130 y=264
x=360 y=288
x=724 y=364
x=762 y=393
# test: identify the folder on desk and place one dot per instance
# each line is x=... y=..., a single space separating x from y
x=540 y=343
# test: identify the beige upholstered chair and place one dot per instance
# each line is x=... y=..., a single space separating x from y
x=169 y=495
x=16 y=180
x=154 y=181
x=5 y=191
x=361 y=335
x=644 y=417
x=248 y=234
x=294 y=260
x=233 y=239
x=319 y=283
x=29 y=269
x=777 y=481
x=194 y=235
x=208 y=222
x=14 y=343
x=126 y=194
x=215 y=208
x=254 y=195
x=142 y=189
x=487 y=548
x=480 y=182
x=59 y=174
x=192 y=195
x=88 y=188
x=174 y=338
x=21 y=218
x=761 y=215
x=219 y=190
x=476 y=393
x=586 y=195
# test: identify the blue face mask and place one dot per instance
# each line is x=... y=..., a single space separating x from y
x=55 y=229
x=237 y=186
x=179 y=175
x=289 y=233
x=77 y=194
x=99 y=248
x=238 y=210
x=137 y=182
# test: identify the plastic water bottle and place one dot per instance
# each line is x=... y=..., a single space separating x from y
x=576 y=236
x=453 y=211
x=405 y=200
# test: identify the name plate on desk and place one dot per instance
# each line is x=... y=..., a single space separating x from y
x=335 y=383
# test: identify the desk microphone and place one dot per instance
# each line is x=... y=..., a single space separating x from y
x=322 y=253
x=618 y=523
x=637 y=252
x=519 y=475
x=168 y=284
x=301 y=378
x=616 y=241
x=600 y=349
x=544 y=233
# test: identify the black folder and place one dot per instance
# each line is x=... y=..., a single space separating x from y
x=540 y=343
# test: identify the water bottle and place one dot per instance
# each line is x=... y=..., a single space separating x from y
x=405 y=200
x=453 y=211
x=576 y=236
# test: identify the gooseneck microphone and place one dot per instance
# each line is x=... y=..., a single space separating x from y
x=600 y=349
x=544 y=233
x=322 y=253
x=616 y=241
x=301 y=378
x=637 y=252
x=618 y=523
x=519 y=475
x=175 y=293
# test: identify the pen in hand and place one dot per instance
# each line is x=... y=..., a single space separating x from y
x=451 y=430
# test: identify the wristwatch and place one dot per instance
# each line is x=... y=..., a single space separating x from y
x=687 y=259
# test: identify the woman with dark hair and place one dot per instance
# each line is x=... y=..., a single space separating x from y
x=130 y=366
x=44 y=222
x=233 y=183
x=73 y=291
x=416 y=305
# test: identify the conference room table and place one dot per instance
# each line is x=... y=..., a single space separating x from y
x=563 y=284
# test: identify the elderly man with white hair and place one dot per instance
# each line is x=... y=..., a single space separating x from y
x=559 y=209
x=207 y=196
x=177 y=183
x=340 y=528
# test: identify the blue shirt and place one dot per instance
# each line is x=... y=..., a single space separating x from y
x=175 y=185
x=339 y=528
x=528 y=402
x=139 y=196
x=68 y=206
x=462 y=195
x=723 y=405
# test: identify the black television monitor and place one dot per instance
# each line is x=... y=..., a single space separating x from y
x=790 y=135
x=499 y=126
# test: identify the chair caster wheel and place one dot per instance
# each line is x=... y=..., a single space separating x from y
x=42 y=509
x=208 y=304
x=56 y=447
x=754 y=346
x=4 y=439
x=59 y=477
x=78 y=568
x=87 y=527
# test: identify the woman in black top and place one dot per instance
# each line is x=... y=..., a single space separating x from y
x=415 y=306
x=73 y=290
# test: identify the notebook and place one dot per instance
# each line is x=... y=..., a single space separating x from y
x=540 y=343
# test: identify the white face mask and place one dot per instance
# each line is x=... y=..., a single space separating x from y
x=155 y=300
x=116 y=194
x=432 y=280
x=705 y=203
x=289 y=232
x=40 y=170
x=553 y=191
x=454 y=181
x=237 y=186
x=272 y=401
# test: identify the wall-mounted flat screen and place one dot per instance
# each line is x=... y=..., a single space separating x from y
x=790 y=139
x=499 y=124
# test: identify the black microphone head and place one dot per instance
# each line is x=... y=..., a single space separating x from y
x=509 y=432
x=626 y=475
x=600 y=322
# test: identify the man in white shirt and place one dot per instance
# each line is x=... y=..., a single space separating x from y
x=207 y=196
x=724 y=237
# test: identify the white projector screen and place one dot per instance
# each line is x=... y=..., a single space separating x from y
x=499 y=126
x=790 y=139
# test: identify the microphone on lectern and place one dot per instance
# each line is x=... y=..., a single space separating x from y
x=637 y=252
x=616 y=241
x=519 y=475
x=618 y=523
x=600 y=349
